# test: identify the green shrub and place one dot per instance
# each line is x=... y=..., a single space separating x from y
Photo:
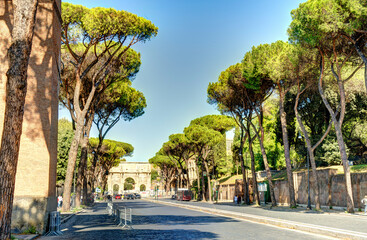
x=31 y=230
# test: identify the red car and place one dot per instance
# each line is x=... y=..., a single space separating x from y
x=183 y=194
x=118 y=196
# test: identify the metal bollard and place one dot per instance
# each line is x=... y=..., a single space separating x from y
x=54 y=227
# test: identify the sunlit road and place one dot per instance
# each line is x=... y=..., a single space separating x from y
x=156 y=221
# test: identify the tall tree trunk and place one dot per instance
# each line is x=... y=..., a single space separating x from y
x=364 y=59
x=198 y=181
x=16 y=89
x=203 y=183
x=71 y=166
x=104 y=180
x=338 y=130
x=310 y=150
x=209 y=187
x=283 y=120
x=73 y=152
x=253 y=172
x=81 y=172
x=81 y=177
x=265 y=159
x=244 y=180
x=187 y=175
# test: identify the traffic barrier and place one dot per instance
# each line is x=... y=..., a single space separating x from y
x=126 y=218
x=55 y=222
x=121 y=216
x=116 y=215
x=109 y=208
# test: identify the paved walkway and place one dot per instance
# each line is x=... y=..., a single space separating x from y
x=328 y=222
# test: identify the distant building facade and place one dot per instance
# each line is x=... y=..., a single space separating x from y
x=229 y=143
x=192 y=170
x=139 y=172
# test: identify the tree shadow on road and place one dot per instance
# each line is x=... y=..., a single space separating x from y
x=179 y=219
x=168 y=234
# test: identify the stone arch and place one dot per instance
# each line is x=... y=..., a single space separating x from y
x=115 y=189
x=139 y=172
x=129 y=183
x=143 y=188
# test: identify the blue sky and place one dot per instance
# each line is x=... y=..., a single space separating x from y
x=196 y=41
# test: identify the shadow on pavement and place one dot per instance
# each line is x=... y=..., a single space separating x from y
x=168 y=234
x=179 y=220
x=136 y=204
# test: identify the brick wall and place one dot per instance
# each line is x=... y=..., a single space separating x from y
x=35 y=184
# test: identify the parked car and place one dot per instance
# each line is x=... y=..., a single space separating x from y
x=118 y=196
x=137 y=196
x=129 y=196
x=183 y=194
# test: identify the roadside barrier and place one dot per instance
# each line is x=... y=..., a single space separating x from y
x=126 y=218
x=109 y=208
x=122 y=216
x=55 y=222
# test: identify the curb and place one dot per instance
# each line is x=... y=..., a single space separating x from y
x=305 y=227
x=64 y=220
x=25 y=237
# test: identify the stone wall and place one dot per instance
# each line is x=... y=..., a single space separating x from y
x=35 y=184
x=332 y=188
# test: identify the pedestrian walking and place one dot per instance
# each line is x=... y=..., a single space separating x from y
x=239 y=199
x=235 y=199
x=59 y=201
x=364 y=201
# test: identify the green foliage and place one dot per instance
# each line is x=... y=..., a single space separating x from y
x=64 y=138
x=178 y=148
x=30 y=230
x=111 y=152
x=359 y=168
x=129 y=184
x=106 y=23
x=355 y=124
x=331 y=151
x=130 y=180
x=202 y=136
x=317 y=20
x=142 y=188
x=218 y=123
x=121 y=101
x=222 y=161
x=154 y=175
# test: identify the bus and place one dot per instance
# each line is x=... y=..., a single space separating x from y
x=183 y=194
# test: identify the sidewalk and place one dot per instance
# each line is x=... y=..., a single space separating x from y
x=326 y=222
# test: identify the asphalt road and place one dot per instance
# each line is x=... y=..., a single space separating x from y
x=156 y=221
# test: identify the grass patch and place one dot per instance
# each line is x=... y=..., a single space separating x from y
x=30 y=230
x=359 y=168
x=222 y=180
x=77 y=209
x=280 y=176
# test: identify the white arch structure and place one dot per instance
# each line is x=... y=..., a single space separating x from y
x=139 y=171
